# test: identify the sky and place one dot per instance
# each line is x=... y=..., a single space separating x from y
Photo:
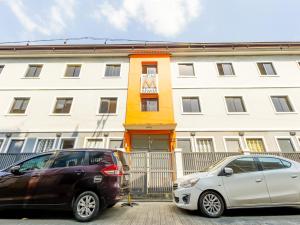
x=152 y=20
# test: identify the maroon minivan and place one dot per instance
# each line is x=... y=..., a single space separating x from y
x=83 y=180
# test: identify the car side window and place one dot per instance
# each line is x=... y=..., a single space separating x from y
x=286 y=164
x=243 y=165
x=271 y=163
x=36 y=163
x=69 y=159
x=100 y=157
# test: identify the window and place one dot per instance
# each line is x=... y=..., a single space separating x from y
x=270 y=163
x=149 y=104
x=67 y=143
x=243 y=165
x=19 y=105
x=37 y=163
x=97 y=157
x=235 y=104
x=63 y=105
x=94 y=143
x=285 y=144
x=1 y=68
x=113 y=144
x=184 y=144
x=225 y=69
x=266 y=68
x=112 y=70
x=15 y=146
x=149 y=69
x=73 y=71
x=282 y=104
x=108 y=105
x=233 y=145
x=186 y=69
x=34 y=71
x=69 y=159
x=44 y=145
x=1 y=143
x=205 y=145
x=256 y=144
x=191 y=105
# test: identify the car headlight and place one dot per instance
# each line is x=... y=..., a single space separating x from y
x=189 y=183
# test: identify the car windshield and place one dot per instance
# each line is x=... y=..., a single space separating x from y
x=214 y=166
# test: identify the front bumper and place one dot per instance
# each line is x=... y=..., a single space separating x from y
x=187 y=198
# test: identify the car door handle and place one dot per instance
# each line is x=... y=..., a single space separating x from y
x=258 y=180
x=294 y=176
x=78 y=172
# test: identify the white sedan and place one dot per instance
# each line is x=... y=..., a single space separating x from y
x=240 y=182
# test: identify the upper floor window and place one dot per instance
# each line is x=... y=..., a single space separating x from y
x=235 y=104
x=191 y=105
x=150 y=68
x=19 y=105
x=186 y=69
x=266 y=68
x=73 y=71
x=112 y=70
x=149 y=104
x=1 y=68
x=63 y=105
x=282 y=104
x=225 y=69
x=108 y=105
x=34 y=71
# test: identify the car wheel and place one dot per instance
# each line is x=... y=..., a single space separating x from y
x=86 y=206
x=211 y=204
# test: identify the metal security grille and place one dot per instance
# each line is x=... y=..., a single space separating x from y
x=152 y=174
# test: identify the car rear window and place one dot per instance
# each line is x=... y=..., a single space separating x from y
x=69 y=159
x=100 y=157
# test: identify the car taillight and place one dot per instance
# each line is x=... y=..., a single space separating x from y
x=111 y=170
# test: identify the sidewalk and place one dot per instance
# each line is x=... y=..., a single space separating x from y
x=157 y=213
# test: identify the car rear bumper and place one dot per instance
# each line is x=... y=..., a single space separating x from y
x=186 y=198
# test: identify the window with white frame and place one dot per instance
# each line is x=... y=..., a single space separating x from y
x=191 y=105
x=63 y=105
x=266 y=68
x=256 y=144
x=19 y=105
x=115 y=143
x=286 y=144
x=15 y=146
x=108 y=105
x=44 y=145
x=112 y=70
x=34 y=71
x=1 y=143
x=73 y=71
x=282 y=104
x=235 y=104
x=66 y=143
x=149 y=104
x=184 y=144
x=225 y=69
x=1 y=68
x=94 y=143
x=205 y=145
x=186 y=69
x=233 y=145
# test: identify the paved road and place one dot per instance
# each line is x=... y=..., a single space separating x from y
x=156 y=213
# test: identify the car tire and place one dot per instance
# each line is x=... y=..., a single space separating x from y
x=86 y=206
x=211 y=204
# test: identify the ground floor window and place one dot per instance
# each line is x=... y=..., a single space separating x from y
x=205 y=145
x=15 y=146
x=44 y=145
x=233 y=145
x=256 y=144
x=184 y=144
x=285 y=144
x=66 y=143
x=94 y=143
x=116 y=143
x=1 y=143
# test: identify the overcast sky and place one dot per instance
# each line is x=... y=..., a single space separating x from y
x=170 y=20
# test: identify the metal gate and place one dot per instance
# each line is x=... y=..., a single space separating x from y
x=152 y=174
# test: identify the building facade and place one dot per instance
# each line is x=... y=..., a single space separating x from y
x=155 y=97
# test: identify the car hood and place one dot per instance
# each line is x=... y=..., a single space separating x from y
x=193 y=175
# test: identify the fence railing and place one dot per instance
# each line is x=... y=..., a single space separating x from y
x=7 y=159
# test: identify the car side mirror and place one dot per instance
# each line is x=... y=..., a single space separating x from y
x=228 y=171
x=15 y=170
